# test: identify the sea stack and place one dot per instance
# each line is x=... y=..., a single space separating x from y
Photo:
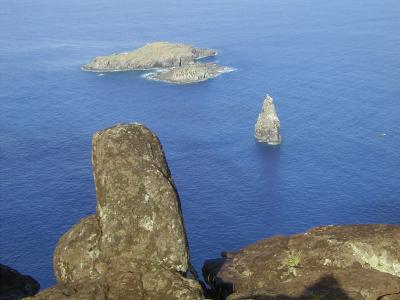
x=267 y=128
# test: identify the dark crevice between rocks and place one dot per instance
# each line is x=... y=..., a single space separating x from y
x=218 y=289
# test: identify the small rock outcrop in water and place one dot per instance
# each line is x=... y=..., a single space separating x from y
x=190 y=73
x=14 y=285
x=360 y=262
x=175 y=63
x=135 y=246
x=267 y=128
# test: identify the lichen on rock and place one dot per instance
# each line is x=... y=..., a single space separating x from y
x=336 y=262
x=135 y=246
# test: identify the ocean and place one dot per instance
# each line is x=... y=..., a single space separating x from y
x=332 y=67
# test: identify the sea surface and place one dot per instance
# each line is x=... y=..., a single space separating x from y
x=333 y=68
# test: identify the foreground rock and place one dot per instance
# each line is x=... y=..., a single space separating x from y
x=154 y=55
x=14 y=285
x=333 y=262
x=191 y=73
x=267 y=128
x=135 y=280
x=135 y=246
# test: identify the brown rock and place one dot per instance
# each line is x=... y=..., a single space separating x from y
x=360 y=260
x=136 y=280
x=137 y=203
x=77 y=252
x=135 y=247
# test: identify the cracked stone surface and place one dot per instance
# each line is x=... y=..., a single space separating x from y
x=334 y=262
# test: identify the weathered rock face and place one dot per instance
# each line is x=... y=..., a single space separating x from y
x=332 y=262
x=154 y=55
x=191 y=73
x=14 y=286
x=135 y=246
x=135 y=280
x=137 y=203
x=77 y=253
x=267 y=128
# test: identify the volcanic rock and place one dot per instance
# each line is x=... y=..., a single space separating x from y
x=331 y=262
x=135 y=246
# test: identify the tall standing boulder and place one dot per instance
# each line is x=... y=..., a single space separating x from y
x=137 y=204
x=135 y=246
x=267 y=128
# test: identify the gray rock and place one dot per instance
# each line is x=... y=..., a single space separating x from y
x=267 y=128
x=14 y=285
x=153 y=55
x=135 y=246
x=331 y=262
x=190 y=73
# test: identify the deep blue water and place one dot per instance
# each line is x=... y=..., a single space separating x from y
x=333 y=68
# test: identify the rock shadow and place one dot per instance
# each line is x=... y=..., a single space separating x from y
x=326 y=288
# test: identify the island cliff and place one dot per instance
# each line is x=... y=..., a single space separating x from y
x=267 y=128
x=135 y=246
x=173 y=63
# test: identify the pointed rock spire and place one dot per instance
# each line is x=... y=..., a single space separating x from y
x=267 y=128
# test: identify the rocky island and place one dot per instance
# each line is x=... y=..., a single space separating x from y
x=135 y=246
x=267 y=128
x=174 y=63
x=190 y=73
